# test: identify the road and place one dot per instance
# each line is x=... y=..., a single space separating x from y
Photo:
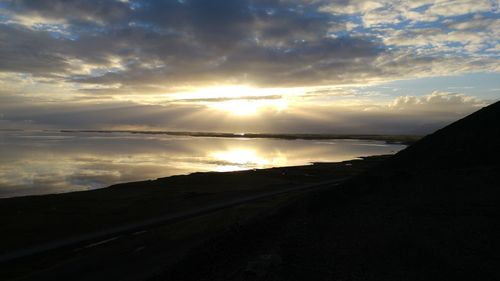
x=124 y=244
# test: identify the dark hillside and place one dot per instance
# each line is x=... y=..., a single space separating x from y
x=432 y=212
x=471 y=141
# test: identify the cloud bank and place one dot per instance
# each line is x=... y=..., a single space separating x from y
x=100 y=57
x=164 y=44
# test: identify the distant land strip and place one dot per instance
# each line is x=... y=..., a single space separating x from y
x=390 y=139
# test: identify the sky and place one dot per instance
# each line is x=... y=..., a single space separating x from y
x=284 y=66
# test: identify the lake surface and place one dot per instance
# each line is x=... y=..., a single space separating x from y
x=36 y=162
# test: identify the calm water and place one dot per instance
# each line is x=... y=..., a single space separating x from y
x=53 y=162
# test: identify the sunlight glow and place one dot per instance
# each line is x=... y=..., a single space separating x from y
x=237 y=107
x=220 y=92
x=239 y=100
x=245 y=107
x=234 y=91
x=239 y=157
x=243 y=158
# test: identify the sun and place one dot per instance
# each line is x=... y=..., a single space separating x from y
x=241 y=101
x=249 y=107
x=234 y=91
x=237 y=107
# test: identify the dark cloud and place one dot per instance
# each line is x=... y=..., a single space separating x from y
x=143 y=46
x=27 y=51
x=77 y=11
x=269 y=42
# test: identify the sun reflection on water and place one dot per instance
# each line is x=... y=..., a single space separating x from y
x=47 y=162
x=243 y=158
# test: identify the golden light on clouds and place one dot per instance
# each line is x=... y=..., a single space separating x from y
x=236 y=92
x=239 y=100
x=244 y=107
x=214 y=92
x=290 y=66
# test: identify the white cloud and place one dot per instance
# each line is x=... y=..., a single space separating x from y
x=454 y=103
x=459 y=7
x=428 y=27
x=424 y=10
x=496 y=48
x=436 y=40
x=353 y=7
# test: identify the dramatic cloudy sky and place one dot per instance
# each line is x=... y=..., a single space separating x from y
x=346 y=66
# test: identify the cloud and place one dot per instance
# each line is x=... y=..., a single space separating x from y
x=109 y=61
x=176 y=43
x=28 y=51
x=343 y=113
x=427 y=28
x=394 y=11
x=268 y=43
x=70 y=11
x=438 y=102
x=154 y=46
x=460 y=7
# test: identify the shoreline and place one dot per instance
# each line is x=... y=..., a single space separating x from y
x=387 y=138
x=294 y=167
x=34 y=228
x=41 y=218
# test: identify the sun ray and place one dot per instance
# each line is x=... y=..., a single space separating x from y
x=244 y=107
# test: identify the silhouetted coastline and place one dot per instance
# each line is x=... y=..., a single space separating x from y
x=391 y=139
x=431 y=212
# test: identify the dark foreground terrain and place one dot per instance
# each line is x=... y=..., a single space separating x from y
x=133 y=231
x=431 y=212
